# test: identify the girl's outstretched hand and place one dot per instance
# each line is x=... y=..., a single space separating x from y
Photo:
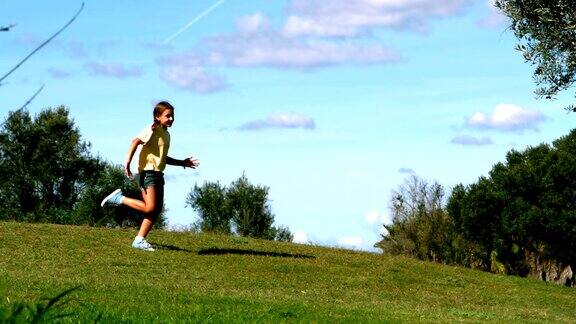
x=191 y=162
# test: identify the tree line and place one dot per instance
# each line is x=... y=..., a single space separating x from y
x=520 y=216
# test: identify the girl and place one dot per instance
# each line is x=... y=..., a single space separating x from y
x=155 y=141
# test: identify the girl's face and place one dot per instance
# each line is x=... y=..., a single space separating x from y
x=166 y=118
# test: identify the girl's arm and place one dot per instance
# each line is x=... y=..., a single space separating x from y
x=133 y=146
x=190 y=162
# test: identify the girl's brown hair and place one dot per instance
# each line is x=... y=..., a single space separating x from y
x=159 y=109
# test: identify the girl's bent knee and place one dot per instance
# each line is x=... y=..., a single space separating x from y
x=149 y=209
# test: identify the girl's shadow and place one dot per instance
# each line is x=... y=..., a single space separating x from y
x=219 y=251
x=170 y=248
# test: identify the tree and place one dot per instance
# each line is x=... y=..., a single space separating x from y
x=251 y=210
x=45 y=160
x=546 y=31
x=526 y=207
x=211 y=203
x=475 y=211
x=283 y=234
x=242 y=208
x=421 y=227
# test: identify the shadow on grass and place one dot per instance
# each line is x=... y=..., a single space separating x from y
x=170 y=248
x=218 y=251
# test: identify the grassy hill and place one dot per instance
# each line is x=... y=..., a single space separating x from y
x=225 y=279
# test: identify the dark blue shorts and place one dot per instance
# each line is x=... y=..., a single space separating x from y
x=147 y=179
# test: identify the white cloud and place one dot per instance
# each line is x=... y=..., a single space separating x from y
x=471 y=140
x=281 y=120
x=71 y=48
x=253 y=24
x=406 y=171
x=257 y=44
x=300 y=237
x=28 y=39
x=115 y=70
x=58 y=73
x=507 y=117
x=347 y=18
x=74 y=49
x=192 y=78
x=271 y=49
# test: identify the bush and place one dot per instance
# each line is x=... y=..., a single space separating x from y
x=422 y=228
x=283 y=234
x=243 y=207
x=211 y=203
x=251 y=212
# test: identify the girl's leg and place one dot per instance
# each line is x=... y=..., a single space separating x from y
x=146 y=226
x=151 y=206
x=146 y=206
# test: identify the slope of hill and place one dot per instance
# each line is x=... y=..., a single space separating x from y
x=201 y=277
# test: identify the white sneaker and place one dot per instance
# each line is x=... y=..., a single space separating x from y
x=114 y=199
x=142 y=245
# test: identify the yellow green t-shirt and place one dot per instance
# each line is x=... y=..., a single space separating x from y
x=155 y=149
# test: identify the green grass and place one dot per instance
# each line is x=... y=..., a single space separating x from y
x=211 y=278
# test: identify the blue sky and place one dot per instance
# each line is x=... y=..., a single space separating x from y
x=332 y=104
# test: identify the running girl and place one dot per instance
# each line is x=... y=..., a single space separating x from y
x=155 y=141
